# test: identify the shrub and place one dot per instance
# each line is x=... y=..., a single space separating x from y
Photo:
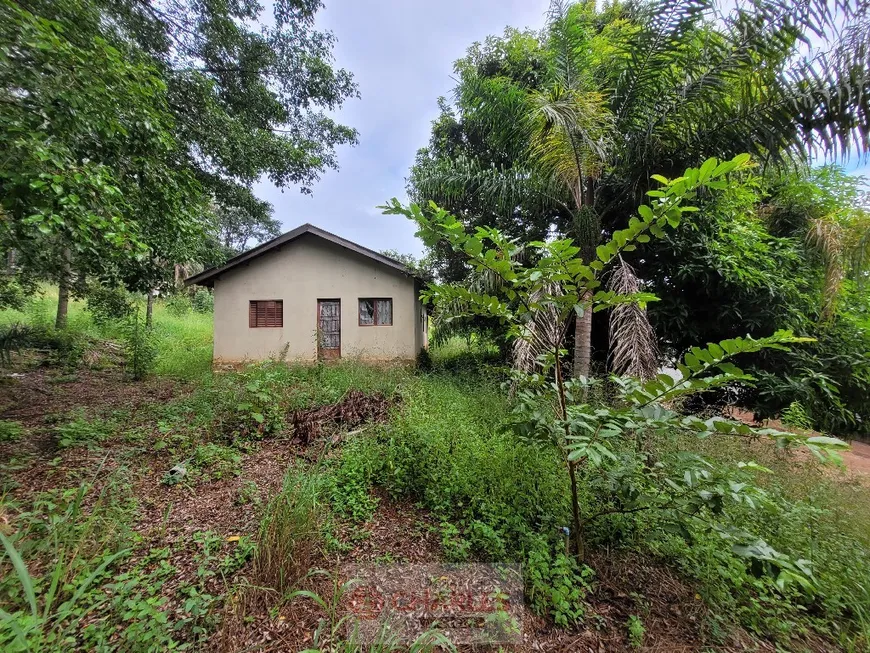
x=202 y=301
x=13 y=338
x=557 y=585
x=178 y=304
x=107 y=304
x=140 y=351
x=424 y=360
x=258 y=412
x=65 y=347
x=796 y=416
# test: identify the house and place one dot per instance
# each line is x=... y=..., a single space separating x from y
x=310 y=295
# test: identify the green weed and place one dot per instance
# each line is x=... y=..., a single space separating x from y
x=636 y=631
x=213 y=462
x=10 y=431
x=81 y=431
x=557 y=585
x=56 y=560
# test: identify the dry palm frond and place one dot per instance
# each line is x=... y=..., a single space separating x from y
x=542 y=334
x=827 y=235
x=633 y=348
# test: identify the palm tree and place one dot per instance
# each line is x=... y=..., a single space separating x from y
x=642 y=88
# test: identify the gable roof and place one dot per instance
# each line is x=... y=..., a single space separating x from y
x=208 y=277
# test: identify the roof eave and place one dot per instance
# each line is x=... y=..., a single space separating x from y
x=208 y=277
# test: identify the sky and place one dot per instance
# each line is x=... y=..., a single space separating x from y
x=401 y=53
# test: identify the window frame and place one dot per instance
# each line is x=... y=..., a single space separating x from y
x=374 y=301
x=279 y=317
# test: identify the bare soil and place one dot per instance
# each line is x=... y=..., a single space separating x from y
x=856 y=459
x=675 y=618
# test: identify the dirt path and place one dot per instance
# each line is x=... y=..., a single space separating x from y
x=856 y=458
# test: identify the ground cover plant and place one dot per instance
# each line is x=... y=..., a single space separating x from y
x=149 y=502
x=118 y=558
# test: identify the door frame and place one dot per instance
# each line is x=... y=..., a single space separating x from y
x=337 y=300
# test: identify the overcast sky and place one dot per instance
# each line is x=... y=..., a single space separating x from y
x=401 y=53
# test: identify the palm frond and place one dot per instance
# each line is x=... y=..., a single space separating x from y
x=633 y=347
x=505 y=189
x=828 y=237
x=651 y=53
x=573 y=135
x=542 y=334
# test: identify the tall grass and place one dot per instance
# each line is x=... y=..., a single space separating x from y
x=287 y=545
x=184 y=342
x=59 y=555
x=289 y=534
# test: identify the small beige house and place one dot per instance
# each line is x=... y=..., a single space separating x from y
x=310 y=295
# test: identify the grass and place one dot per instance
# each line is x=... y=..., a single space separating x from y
x=450 y=447
x=184 y=342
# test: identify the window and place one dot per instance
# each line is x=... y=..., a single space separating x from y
x=376 y=312
x=266 y=313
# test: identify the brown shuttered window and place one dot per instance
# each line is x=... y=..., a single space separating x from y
x=266 y=313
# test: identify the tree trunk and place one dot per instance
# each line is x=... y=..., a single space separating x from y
x=149 y=309
x=63 y=284
x=583 y=325
x=575 y=501
x=583 y=341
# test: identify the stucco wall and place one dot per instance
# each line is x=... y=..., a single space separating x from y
x=300 y=273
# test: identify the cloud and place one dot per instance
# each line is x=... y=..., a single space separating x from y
x=401 y=53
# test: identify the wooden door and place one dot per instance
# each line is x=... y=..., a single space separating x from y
x=328 y=328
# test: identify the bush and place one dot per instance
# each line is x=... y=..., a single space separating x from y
x=178 y=305
x=259 y=412
x=14 y=338
x=140 y=351
x=451 y=450
x=202 y=301
x=557 y=585
x=107 y=304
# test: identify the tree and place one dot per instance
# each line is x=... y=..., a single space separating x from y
x=91 y=177
x=237 y=229
x=124 y=119
x=553 y=411
x=249 y=91
x=678 y=81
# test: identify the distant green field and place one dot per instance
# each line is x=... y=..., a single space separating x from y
x=184 y=342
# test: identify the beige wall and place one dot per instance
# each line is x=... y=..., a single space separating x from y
x=300 y=273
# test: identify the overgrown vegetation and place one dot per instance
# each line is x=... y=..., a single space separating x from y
x=455 y=446
x=149 y=503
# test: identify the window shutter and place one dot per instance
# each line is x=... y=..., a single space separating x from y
x=266 y=313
